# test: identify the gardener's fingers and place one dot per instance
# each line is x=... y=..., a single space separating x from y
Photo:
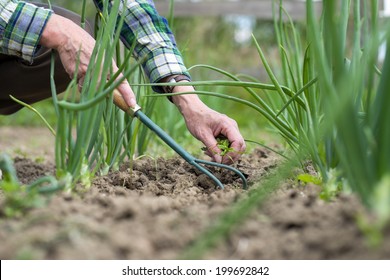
x=237 y=143
x=236 y=149
x=126 y=91
x=127 y=94
x=217 y=124
x=206 y=124
x=228 y=128
x=212 y=148
x=80 y=83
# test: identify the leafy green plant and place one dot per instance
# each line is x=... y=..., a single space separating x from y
x=331 y=108
x=355 y=98
x=93 y=135
x=35 y=111
x=223 y=144
x=19 y=197
x=330 y=103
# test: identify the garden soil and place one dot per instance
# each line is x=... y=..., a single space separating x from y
x=158 y=208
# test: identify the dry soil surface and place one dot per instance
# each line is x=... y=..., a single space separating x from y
x=158 y=208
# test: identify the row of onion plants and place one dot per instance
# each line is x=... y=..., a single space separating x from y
x=329 y=103
x=93 y=135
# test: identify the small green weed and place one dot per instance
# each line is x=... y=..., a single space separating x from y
x=223 y=144
x=307 y=178
x=19 y=197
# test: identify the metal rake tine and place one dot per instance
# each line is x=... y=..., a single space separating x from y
x=244 y=181
x=207 y=172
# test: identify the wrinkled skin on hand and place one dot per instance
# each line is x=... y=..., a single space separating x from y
x=206 y=125
x=75 y=46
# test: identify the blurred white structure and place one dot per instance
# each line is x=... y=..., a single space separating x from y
x=386 y=8
x=385 y=12
x=261 y=9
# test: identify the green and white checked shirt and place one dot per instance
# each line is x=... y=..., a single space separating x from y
x=21 y=25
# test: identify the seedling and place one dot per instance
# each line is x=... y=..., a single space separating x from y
x=20 y=197
x=223 y=144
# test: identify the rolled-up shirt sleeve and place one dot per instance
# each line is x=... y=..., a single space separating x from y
x=154 y=41
x=21 y=26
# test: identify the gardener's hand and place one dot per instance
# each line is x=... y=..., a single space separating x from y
x=206 y=124
x=75 y=46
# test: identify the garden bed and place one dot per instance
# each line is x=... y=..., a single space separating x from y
x=158 y=207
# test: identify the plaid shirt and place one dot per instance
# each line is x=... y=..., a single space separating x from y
x=21 y=25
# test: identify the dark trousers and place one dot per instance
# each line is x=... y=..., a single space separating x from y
x=31 y=82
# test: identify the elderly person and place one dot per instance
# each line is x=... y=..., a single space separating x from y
x=29 y=32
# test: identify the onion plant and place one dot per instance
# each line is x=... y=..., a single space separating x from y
x=336 y=111
x=355 y=98
x=329 y=103
x=92 y=134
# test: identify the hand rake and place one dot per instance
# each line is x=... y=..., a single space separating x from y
x=136 y=112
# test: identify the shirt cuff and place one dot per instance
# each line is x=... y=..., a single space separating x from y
x=24 y=29
x=161 y=63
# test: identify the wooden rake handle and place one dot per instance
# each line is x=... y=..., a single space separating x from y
x=121 y=104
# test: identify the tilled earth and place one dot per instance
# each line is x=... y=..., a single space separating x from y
x=157 y=208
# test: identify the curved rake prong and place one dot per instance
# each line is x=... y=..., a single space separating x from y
x=207 y=172
x=244 y=182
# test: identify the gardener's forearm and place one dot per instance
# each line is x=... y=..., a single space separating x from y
x=152 y=39
x=57 y=32
x=21 y=25
x=187 y=103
